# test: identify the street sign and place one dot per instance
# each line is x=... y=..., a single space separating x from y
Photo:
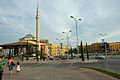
x=102 y=40
x=58 y=48
x=61 y=45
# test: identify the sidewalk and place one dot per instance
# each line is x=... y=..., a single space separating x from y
x=54 y=71
x=79 y=61
x=89 y=74
x=58 y=61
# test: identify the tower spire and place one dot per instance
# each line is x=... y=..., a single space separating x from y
x=37 y=27
x=37 y=16
x=38 y=9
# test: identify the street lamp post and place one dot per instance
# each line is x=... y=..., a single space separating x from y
x=67 y=36
x=60 y=43
x=76 y=21
x=103 y=35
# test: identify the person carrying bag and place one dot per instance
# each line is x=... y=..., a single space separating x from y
x=11 y=64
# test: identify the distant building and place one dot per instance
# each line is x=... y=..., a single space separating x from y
x=55 y=50
x=95 y=48
x=114 y=47
x=24 y=42
x=100 y=48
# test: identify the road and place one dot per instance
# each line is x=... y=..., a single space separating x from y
x=113 y=64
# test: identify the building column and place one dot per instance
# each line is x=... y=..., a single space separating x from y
x=13 y=52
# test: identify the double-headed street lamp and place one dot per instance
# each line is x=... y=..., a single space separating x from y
x=67 y=36
x=76 y=21
x=103 y=35
x=59 y=39
x=60 y=43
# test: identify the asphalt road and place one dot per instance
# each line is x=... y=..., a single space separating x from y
x=113 y=63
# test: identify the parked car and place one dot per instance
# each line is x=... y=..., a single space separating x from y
x=56 y=57
x=63 y=57
x=81 y=56
x=99 y=56
x=51 y=58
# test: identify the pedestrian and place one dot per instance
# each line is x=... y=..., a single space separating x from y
x=3 y=57
x=2 y=65
x=18 y=68
x=11 y=64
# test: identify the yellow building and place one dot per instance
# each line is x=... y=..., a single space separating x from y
x=54 y=51
x=114 y=47
x=98 y=47
x=94 y=48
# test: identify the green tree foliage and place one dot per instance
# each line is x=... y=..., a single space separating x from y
x=21 y=51
x=87 y=52
x=74 y=51
x=29 y=50
x=41 y=54
x=71 y=53
x=37 y=54
x=9 y=52
x=81 y=50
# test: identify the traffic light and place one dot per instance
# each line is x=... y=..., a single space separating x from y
x=103 y=46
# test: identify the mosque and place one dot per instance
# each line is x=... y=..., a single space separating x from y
x=26 y=40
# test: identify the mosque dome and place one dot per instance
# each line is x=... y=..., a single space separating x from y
x=29 y=36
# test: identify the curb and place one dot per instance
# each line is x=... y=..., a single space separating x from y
x=91 y=61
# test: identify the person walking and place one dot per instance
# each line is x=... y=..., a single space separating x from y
x=11 y=64
x=2 y=65
x=18 y=68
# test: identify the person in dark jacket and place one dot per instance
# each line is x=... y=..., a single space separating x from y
x=2 y=65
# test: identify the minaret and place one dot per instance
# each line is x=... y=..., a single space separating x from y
x=37 y=28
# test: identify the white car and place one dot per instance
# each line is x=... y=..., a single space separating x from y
x=99 y=56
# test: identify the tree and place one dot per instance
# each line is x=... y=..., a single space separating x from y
x=41 y=54
x=37 y=54
x=44 y=56
x=71 y=53
x=81 y=50
x=87 y=52
x=74 y=51
x=21 y=52
x=28 y=51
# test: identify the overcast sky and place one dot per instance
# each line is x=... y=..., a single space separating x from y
x=17 y=18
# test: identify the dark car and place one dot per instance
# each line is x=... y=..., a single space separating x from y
x=51 y=58
x=63 y=57
x=56 y=57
